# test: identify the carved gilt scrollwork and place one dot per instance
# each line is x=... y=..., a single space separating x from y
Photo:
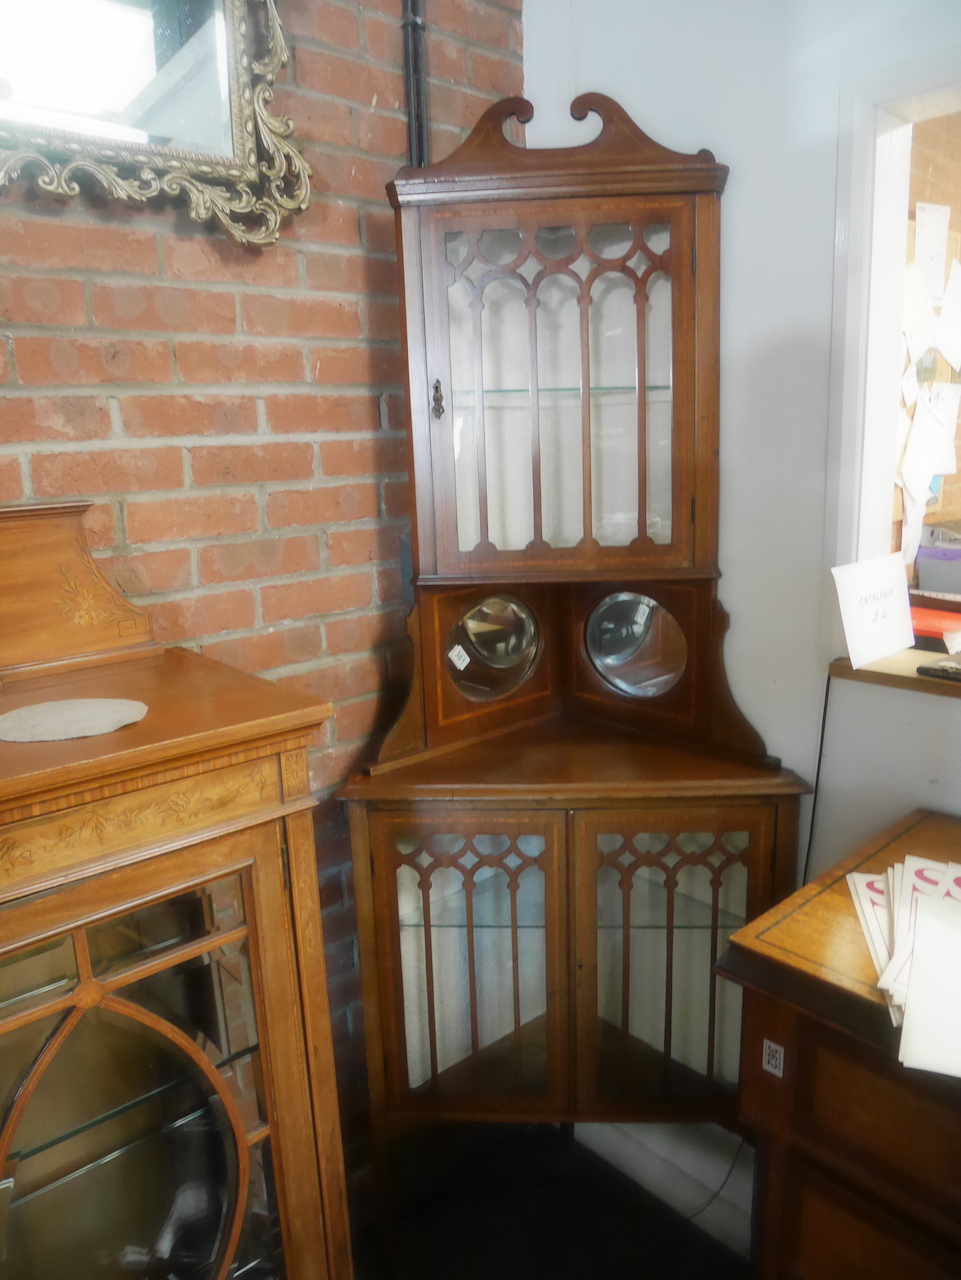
x=246 y=195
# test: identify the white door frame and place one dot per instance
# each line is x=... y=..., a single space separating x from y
x=875 y=120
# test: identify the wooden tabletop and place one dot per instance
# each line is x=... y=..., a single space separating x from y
x=810 y=950
x=194 y=705
x=564 y=759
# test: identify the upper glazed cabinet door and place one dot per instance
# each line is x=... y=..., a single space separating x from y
x=560 y=353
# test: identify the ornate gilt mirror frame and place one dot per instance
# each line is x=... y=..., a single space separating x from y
x=246 y=195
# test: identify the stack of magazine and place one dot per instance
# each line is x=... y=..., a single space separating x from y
x=911 y=918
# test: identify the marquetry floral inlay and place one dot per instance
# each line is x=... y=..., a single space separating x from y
x=88 y=600
x=115 y=824
x=294 y=766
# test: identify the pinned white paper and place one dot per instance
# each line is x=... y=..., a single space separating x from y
x=949 y=321
x=920 y=322
x=901 y=432
x=926 y=453
x=909 y=384
x=945 y=400
x=912 y=525
x=931 y=1036
x=931 y=245
x=875 y=608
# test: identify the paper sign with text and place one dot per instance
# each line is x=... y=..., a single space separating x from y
x=875 y=608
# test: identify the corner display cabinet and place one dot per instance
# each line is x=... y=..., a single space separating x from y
x=169 y=1108
x=570 y=816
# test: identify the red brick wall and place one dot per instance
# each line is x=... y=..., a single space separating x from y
x=237 y=417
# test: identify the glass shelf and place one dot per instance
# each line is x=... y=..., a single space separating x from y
x=649 y=909
x=149 y=1096
x=197 y=1115
x=461 y=396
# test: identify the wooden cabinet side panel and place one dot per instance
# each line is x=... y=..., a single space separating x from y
x=286 y=1068
x=832 y=1233
x=312 y=973
x=707 y=376
x=898 y=1130
x=415 y=342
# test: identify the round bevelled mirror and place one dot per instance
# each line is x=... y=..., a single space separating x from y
x=492 y=647
x=636 y=646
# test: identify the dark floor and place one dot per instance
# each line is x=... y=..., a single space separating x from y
x=534 y=1205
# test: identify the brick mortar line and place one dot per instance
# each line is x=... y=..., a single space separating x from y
x=294 y=86
x=362 y=58
x=300 y=386
x=111 y=443
x=211 y=589
x=219 y=288
x=20 y=390
x=158 y=229
x=253 y=489
x=372 y=524
x=287 y=241
x=291 y=624
x=200 y=640
x=243 y=338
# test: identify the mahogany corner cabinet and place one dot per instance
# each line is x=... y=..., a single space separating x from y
x=570 y=816
x=166 y=1062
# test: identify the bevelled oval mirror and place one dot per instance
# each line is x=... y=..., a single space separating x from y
x=635 y=645
x=491 y=648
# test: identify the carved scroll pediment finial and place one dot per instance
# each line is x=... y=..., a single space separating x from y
x=622 y=159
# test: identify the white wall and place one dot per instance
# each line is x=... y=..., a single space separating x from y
x=760 y=83
x=908 y=756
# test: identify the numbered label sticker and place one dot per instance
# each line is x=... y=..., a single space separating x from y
x=459 y=656
x=772 y=1058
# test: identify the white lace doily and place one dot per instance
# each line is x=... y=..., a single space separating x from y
x=74 y=718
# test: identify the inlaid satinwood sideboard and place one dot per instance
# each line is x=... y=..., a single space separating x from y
x=166 y=1066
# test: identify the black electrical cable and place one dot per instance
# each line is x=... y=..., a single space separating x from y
x=817 y=779
x=689 y=1217
x=415 y=84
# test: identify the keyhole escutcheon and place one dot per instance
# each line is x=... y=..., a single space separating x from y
x=437 y=405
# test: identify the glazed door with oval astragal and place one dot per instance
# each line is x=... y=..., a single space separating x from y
x=470 y=907
x=560 y=341
x=156 y=1120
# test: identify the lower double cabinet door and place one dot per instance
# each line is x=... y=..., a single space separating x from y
x=558 y=964
x=153 y=1061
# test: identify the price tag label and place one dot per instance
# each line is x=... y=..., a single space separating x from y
x=875 y=608
x=459 y=656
